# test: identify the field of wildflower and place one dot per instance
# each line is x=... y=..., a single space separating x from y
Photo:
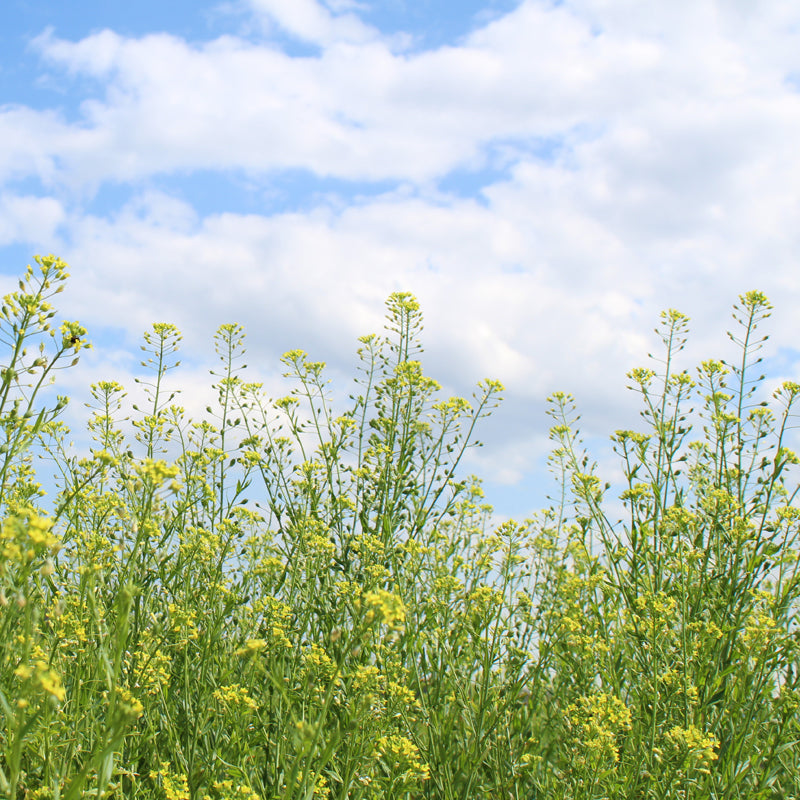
x=298 y=598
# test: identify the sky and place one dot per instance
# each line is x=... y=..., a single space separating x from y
x=545 y=177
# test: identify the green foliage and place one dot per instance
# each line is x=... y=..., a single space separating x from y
x=293 y=599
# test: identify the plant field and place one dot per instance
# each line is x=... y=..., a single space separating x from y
x=304 y=598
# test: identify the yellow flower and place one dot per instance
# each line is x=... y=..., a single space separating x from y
x=176 y=787
x=387 y=607
x=252 y=646
x=595 y=722
x=698 y=748
x=41 y=677
x=235 y=696
x=128 y=704
x=402 y=758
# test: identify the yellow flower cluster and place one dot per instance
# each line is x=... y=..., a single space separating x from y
x=25 y=536
x=321 y=788
x=155 y=472
x=176 y=787
x=314 y=537
x=386 y=607
x=151 y=672
x=252 y=646
x=481 y=605
x=596 y=722
x=697 y=748
x=128 y=705
x=276 y=617
x=201 y=545
x=318 y=663
x=401 y=756
x=184 y=622
x=41 y=677
x=235 y=697
x=226 y=790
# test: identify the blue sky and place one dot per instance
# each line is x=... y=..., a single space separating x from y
x=545 y=176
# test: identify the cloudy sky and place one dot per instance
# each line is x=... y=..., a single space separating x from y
x=545 y=176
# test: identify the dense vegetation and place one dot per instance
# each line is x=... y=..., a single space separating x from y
x=364 y=631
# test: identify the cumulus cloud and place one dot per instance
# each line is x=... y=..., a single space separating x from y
x=28 y=218
x=627 y=159
x=312 y=21
x=357 y=110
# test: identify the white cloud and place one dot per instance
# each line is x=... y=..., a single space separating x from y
x=358 y=110
x=96 y=55
x=673 y=183
x=311 y=21
x=27 y=140
x=28 y=218
x=319 y=282
x=361 y=111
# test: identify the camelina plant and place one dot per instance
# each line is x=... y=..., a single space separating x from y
x=301 y=598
